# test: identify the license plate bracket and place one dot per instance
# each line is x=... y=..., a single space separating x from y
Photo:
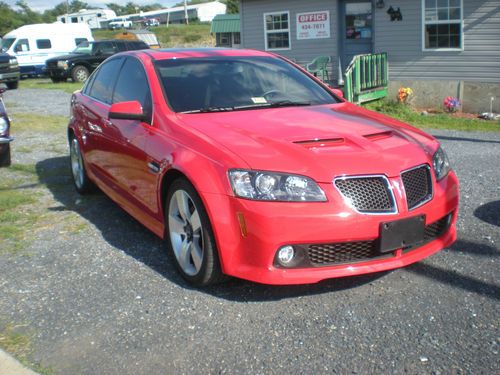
x=401 y=233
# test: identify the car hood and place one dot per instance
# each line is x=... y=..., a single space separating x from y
x=321 y=142
x=67 y=57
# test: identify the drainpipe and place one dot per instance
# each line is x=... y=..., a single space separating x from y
x=341 y=74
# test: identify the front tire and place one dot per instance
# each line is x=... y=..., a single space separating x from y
x=13 y=85
x=5 y=159
x=189 y=236
x=79 y=73
x=82 y=183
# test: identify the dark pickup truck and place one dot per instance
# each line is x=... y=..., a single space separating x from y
x=9 y=71
x=86 y=57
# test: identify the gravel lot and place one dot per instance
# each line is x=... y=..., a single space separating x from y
x=104 y=299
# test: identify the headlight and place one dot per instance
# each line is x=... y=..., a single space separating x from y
x=272 y=186
x=441 y=164
x=4 y=125
x=62 y=64
x=13 y=61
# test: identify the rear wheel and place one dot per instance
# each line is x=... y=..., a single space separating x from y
x=189 y=236
x=82 y=183
x=13 y=85
x=79 y=73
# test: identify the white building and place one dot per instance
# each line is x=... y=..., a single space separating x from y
x=92 y=17
x=204 y=12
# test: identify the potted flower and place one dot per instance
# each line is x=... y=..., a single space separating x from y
x=451 y=104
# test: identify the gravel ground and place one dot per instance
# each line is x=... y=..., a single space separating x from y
x=106 y=300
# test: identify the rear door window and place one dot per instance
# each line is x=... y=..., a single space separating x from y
x=133 y=84
x=102 y=87
x=104 y=48
x=43 y=44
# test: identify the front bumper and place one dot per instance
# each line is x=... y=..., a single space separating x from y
x=248 y=250
x=57 y=73
x=6 y=140
x=10 y=77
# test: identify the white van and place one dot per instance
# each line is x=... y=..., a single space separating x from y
x=34 y=44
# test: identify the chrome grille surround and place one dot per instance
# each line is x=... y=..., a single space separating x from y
x=417 y=182
x=370 y=194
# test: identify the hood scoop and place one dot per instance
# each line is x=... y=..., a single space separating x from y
x=321 y=143
x=378 y=136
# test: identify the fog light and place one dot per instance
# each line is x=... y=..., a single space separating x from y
x=286 y=255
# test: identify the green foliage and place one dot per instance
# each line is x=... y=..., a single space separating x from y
x=438 y=120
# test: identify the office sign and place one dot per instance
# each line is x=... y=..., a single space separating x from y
x=313 y=25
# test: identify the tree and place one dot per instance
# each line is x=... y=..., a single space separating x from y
x=233 y=6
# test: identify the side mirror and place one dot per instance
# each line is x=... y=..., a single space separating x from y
x=127 y=111
x=338 y=92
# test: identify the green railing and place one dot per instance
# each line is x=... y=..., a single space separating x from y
x=366 y=78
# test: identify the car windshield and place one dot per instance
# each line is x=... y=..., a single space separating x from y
x=84 y=47
x=6 y=43
x=237 y=83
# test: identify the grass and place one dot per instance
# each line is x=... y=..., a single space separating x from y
x=18 y=344
x=192 y=35
x=442 y=120
x=34 y=123
x=36 y=83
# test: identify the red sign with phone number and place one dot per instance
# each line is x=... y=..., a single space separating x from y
x=313 y=25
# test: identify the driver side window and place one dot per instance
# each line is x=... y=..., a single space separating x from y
x=132 y=85
x=22 y=46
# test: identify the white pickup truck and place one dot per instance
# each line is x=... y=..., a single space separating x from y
x=120 y=23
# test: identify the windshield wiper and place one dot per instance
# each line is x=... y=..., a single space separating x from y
x=276 y=104
x=210 y=109
x=288 y=103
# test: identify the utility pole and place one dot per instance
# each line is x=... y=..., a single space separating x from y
x=186 y=19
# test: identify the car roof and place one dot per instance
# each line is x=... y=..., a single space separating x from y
x=169 y=53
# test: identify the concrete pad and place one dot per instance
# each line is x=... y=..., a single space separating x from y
x=11 y=366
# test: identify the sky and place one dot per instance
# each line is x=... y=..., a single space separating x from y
x=41 y=5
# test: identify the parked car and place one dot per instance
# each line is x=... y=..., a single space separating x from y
x=86 y=57
x=9 y=71
x=34 y=44
x=5 y=138
x=248 y=166
x=120 y=23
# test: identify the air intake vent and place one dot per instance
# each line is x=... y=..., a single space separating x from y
x=370 y=194
x=418 y=186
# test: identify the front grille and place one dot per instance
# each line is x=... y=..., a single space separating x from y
x=344 y=252
x=418 y=186
x=367 y=194
x=4 y=68
x=51 y=64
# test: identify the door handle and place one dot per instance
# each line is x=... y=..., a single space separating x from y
x=107 y=122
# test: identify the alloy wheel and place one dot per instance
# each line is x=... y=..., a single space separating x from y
x=186 y=232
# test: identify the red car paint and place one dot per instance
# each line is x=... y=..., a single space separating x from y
x=203 y=147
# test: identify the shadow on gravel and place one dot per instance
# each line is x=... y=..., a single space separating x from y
x=456 y=279
x=124 y=233
x=489 y=212
x=462 y=139
x=475 y=249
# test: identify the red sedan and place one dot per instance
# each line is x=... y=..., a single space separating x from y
x=248 y=166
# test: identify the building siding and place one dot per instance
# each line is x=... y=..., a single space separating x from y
x=402 y=40
x=302 y=51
